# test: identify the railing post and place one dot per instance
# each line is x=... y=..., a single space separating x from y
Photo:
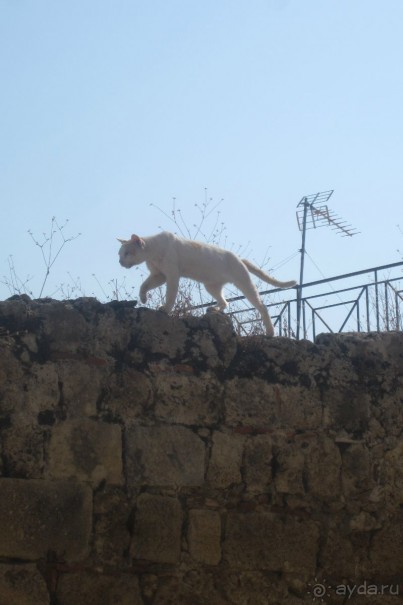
x=367 y=309
x=377 y=301
x=386 y=306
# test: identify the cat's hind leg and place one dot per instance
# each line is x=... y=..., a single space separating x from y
x=216 y=292
x=248 y=289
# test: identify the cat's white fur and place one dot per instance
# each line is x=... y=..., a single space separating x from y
x=169 y=258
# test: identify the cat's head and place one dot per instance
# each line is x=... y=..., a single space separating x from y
x=131 y=251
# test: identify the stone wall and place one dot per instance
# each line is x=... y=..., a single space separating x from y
x=148 y=460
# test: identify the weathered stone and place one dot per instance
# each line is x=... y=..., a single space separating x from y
x=38 y=516
x=182 y=398
x=337 y=557
x=212 y=342
x=95 y=589
x=15 y=311
x=357 y=478
x=213 y=339
x=80 y=385
x=322 y=464
x=254 y=587
x=22 y=585
x=11 y=379
x=64 y=328
x=364 y=522
x=389 y=410
x=257 y=463
x=23 y=451
x=112 y=512
x=157 y=529
x=159 y=333
x=164 y=455
x=248 y=467
x=386 y=554
x=394 y=473
x=226 y=460
x=250 y=402
x=42 y=393
x=266 y=541
x=369 y=352
x=128 y=396
x=254 y=402
x=288 y=466
x=193 y=588
x=86 y=450
x=204 y=536
x=113 y=329
x=347 y=408
x=299 y=407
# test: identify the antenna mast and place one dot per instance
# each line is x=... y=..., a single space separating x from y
x=313 y=212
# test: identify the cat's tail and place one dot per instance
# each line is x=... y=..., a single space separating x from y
x=265 y=277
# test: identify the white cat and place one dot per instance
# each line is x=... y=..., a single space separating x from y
x=169 y=258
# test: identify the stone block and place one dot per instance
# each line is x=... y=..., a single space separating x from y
x=356 y=473
x=337 y=557
x=23 y=451
x=255 y=402
x=80 y=384
x=347 y=408
x=157 y=529
x=96 y=589
x=196 y=587
x=389 y=409
x=86 y=450
x=112 y=513
x=37 y=516
x=250 y=402
x=186 y=399
x=206 y=342
x=299 y=407
x=164 y=455
x=255 y=588
x=226 y=460
x=288 y=466
x=112 y=329
x=128 y=396
x=266 y=541
x=257 y=463
x=64 y=328
x=394 y=472
x=42 y=388
x=159 y=333
x=322 y=468
x=26 y=394
x=204 y=536
x=22 y=585
x=12 y=377
x=213 y=339
x=386 y=554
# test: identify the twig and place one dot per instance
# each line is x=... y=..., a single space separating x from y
x=48 y=256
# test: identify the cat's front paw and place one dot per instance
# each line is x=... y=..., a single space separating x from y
x=143 y=297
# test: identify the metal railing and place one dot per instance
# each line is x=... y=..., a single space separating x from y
x=374 y=304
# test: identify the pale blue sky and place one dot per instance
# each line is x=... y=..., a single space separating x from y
x=110 y=106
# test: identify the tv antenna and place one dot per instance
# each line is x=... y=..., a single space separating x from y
x=313 y=212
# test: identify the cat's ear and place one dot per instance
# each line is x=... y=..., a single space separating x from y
x=135 y=239
x=122 y=241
